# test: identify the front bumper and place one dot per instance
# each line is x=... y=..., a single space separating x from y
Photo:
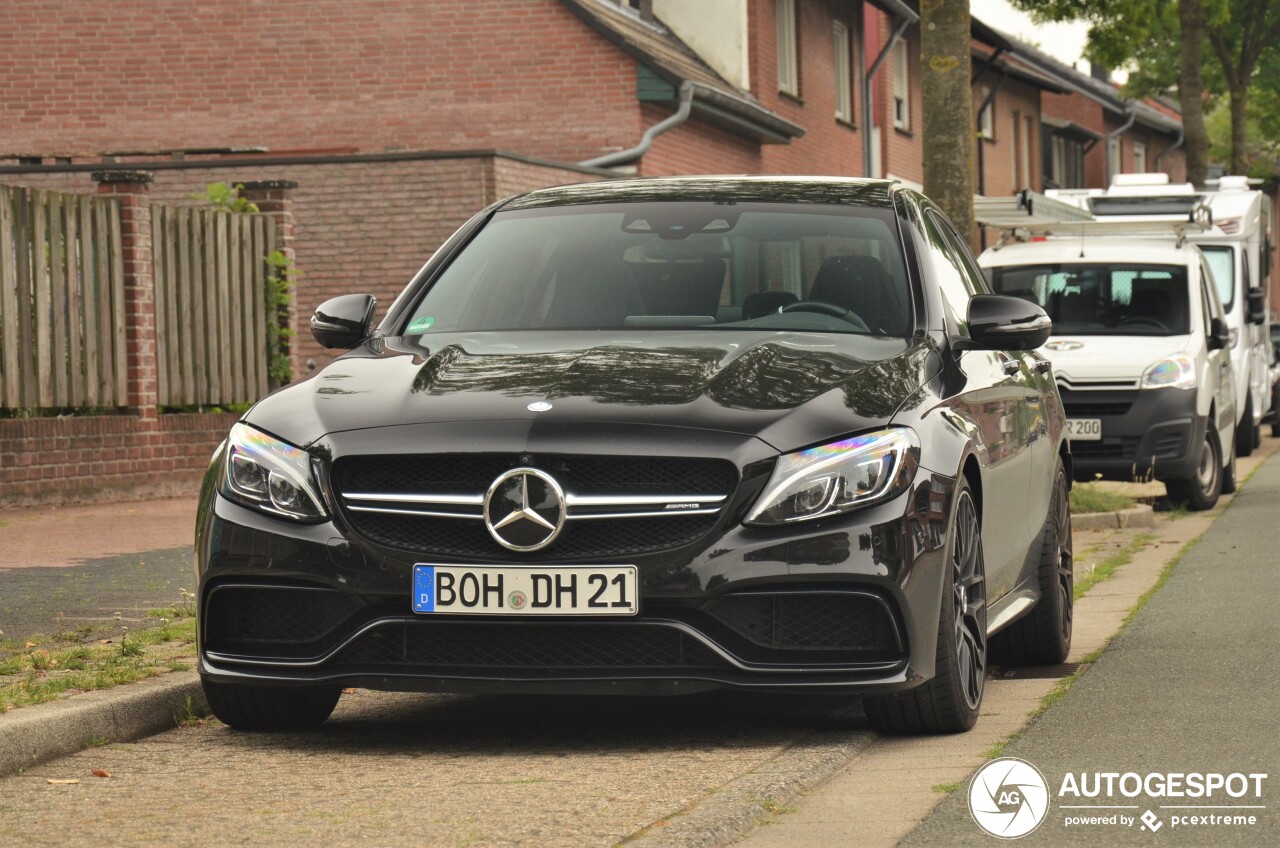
x=1146 y=434
x=849 y=602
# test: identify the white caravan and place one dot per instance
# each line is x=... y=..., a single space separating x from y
x=1140 y=353
x=1237 y=245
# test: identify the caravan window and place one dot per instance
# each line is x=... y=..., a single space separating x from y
x=1096 y=300
x=1222 y=263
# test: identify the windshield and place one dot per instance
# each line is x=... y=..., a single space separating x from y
x=1102 y=300
x=718 y=266
x=1222 y=262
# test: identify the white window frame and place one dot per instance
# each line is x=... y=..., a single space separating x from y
x=1139 y=158
x=842 y=47
x=1024 y=178
x=1115 y=157
x=901 y=85
x=788 y=54
x=986 y=118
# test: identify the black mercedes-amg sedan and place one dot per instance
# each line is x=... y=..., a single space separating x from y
x=653 y=436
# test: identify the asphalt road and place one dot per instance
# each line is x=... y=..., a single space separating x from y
x=1191 y=686
x=48 y=601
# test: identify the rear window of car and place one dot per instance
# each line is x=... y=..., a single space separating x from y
x=645 y=265
x=1103 y=299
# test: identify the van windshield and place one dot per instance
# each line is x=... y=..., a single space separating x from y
x=1222 y=262
x=1103 y=300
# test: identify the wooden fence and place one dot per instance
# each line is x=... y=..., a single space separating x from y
x=211 y=304
x=62 y=325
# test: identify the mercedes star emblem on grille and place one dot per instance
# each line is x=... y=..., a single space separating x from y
x=524 y=509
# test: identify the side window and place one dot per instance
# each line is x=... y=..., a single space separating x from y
x=1208 y=297
x=976 y=280
x=948 y=271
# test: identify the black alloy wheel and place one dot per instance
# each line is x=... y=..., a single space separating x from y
x=949 y=702
x=1201 y=492
x=1043 y=636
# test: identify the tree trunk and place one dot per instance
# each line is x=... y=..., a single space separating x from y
x=1239 y=129
x=949 y=132
x=1191 y=90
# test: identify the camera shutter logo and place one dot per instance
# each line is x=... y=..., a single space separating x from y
x=1008 y=798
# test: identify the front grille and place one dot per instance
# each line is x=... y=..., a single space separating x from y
x=808 y=621
x=461 y=537
x=581 y=475
x=526 y=646
x=1097 y=404
x=1124 y=447
x=277 y=620
x=470 y=475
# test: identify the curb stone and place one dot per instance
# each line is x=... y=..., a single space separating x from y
x=33 y=735
x=1141 y=515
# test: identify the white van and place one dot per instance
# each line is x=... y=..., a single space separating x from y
x=1238 y=248
x=1140 y=351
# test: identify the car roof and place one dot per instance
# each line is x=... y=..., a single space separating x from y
x=1091 y=250
x=767 y=189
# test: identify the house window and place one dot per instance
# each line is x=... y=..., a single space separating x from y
x=1063 y=161
x=840 y=43
x=986 y=122
x=1140 y=158
x=901 y=86
x=1114 y=163
x=1014 y=164
x=788 y=70
x=1024 y=175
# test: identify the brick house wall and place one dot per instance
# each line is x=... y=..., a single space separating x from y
x=338 y=75
x=1015 y=113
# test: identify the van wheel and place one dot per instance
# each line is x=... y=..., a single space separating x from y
x=1246 y=433
x=1229 y=484
x=1201 y=491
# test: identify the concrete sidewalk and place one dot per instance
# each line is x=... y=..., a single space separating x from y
x=1190 y=686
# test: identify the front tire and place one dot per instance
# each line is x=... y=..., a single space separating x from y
x=950 y=701
x=1201 y=492
x=1248 y=436
x=270 y=708
x=1043 y=636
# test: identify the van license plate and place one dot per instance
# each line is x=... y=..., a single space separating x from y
x=1084 y=429
x=498 y=590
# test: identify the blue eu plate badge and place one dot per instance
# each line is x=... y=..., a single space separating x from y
x=424 y=588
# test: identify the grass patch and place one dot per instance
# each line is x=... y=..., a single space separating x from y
x=773 y=807
x=1090 y=497
x=1107 y=568
x=36 y=675
x=946 y=788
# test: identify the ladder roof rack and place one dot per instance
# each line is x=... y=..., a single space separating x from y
x=1028 y=214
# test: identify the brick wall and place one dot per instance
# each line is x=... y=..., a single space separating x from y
x=356 y=75
x=105 y=457
x=1000 y=154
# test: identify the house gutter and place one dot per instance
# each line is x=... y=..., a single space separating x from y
x=1111 y=136
x=632 y=154
x=906 y=17
x=1182 y=136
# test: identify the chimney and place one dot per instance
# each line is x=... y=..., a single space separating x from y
x=1099 y=71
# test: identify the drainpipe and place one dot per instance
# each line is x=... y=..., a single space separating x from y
x=982 y=157
x=1133 y=116
x=631 y=154
x=1182 y=136
x=906 y=17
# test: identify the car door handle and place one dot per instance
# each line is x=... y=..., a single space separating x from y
x=1011 y=366
x=1044 y=366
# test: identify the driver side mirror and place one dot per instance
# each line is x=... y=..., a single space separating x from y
x=1257 y=303
x=1219 y=334
x=343 y=322
x=999 y=322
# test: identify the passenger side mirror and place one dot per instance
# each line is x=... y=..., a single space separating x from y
x=343 y=322
x=1219 y=334
x=998 y=322
x=1257 y=303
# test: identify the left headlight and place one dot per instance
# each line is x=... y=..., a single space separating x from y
x=838 y=477
x=270 y=475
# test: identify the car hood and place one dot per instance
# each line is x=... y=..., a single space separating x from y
x=1098 y=359
x=788 y=389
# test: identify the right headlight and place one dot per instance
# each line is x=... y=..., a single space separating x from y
x=270 y=475
x=1177 y=371
x=838 y=477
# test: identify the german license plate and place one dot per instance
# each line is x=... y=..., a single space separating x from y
x=1084 y=429
x=498 y=590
